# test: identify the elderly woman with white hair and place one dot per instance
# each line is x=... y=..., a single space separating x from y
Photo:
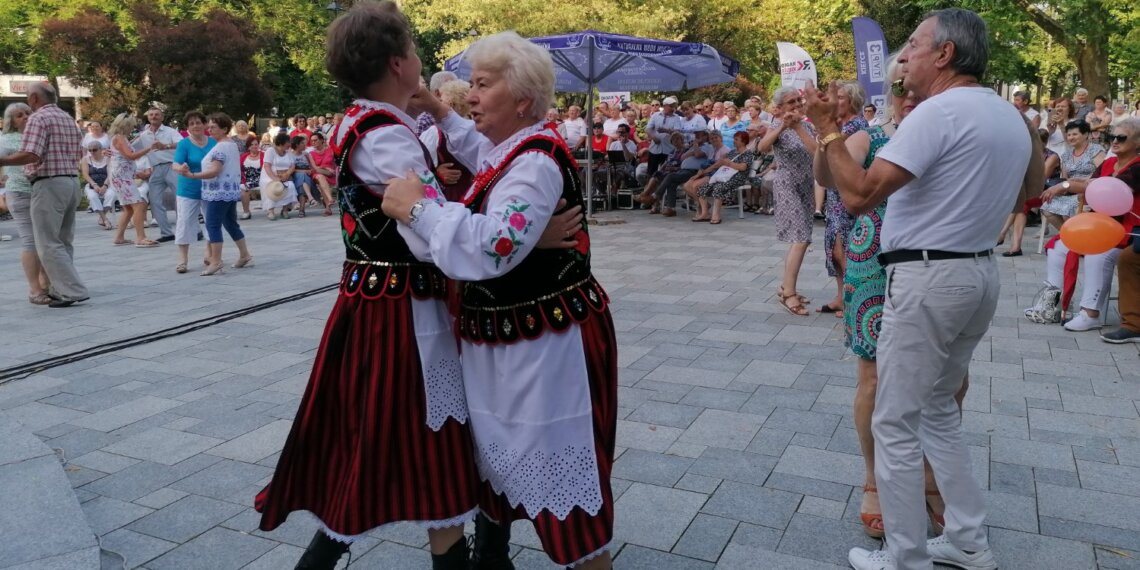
x=839 y=220
x=792 y=141
x=538 y=344
x=122 y=174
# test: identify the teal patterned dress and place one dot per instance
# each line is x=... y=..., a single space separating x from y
x=865 y=281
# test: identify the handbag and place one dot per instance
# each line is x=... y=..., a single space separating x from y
x=722 y=174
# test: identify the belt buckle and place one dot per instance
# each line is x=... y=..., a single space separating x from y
x=925 y=258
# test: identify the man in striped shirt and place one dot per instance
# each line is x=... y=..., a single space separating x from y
x=50 y=153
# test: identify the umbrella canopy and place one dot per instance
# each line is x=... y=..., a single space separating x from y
x=616 y=62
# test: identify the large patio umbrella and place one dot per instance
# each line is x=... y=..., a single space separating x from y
x=615 y=62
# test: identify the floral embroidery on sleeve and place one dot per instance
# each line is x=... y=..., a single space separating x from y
x=431 y=187
x=514 y=225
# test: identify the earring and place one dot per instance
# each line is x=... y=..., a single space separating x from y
x=520 y=114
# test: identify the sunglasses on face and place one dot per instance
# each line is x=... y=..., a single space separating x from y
x=897 y=88
x=1119 y=139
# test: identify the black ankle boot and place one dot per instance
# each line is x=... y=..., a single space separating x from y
x=492 y=545
x=323 y=553
x=454 y=559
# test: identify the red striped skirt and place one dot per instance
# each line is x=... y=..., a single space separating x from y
x=360 y=454
x=580 y=534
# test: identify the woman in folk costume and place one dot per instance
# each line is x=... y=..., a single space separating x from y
x=381 y=435
x=539 y=353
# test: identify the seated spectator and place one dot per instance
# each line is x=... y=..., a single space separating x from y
x=278 y=164
x=302 y=180
x=323 y=171
x=724 y=177
x=300 y=127
x=615 y=118
x=691 y=121
x=250 y=177
x=100 y=195
x=242 y=136
x=1078 y=161
x=621 y=171
x=671 y=165
x=694 y=158
x=573 y=129
x=1126 y=166
x=731 y=124
x=553 y=119
x=95 y=133
x=1018 y=221
x=599 y=141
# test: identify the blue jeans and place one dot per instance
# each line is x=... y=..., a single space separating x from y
x=219 y=215
x=300 y=179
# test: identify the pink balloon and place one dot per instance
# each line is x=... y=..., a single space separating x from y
x=1109 y=196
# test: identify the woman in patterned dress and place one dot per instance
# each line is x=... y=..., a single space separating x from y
x=1079 y=160
x=839 y=220
x=122 y=177
x=864 y=293
x=792 y=141
x=736 y=166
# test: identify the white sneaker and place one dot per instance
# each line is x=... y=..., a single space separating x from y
x=1082 y=322
x=863 y=559
x=153 y=224
x=946 y=553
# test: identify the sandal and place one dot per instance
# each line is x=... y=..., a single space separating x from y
x=243 y=262
x=327 y=212
x=212 y=270
x=830 y=309
x=804 y=300
x=146 y=243
x=245 y=216
x=714 y=222
x=872 y=522
x=271 y=215
x=797 y=309
x=696 y=219
x=120 y=242
x=41 y=299
x=180 y=268
x=935 y=509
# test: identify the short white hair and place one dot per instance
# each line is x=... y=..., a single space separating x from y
x=454 y=94
x=1081 y=91
x=439 y=78
x=783 y=93
x=526 y=67
x=855 y=94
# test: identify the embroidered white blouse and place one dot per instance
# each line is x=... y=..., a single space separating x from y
x=529 y=402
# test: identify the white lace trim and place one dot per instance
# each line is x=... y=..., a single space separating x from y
x=439 y=359
x=427 y=525
x=443 y=383
x=590 y=556
x=552 y=481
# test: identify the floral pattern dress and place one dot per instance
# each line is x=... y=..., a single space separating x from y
x=865 y=281
x=727 y=190
x=839 y=220
x=1076 y=167
x=793 y=187
x=123 y=178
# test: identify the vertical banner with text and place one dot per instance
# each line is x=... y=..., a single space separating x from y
x=796 y=66
x=871 y=62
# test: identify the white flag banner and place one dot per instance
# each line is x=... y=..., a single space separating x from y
x=617 y=98
x=796 y=66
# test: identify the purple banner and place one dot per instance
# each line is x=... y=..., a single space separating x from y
x=871 y=61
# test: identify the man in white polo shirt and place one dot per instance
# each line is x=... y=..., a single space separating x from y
x=163 y=140
x=952 y=171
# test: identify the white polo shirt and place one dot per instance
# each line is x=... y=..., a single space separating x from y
x=968 y=150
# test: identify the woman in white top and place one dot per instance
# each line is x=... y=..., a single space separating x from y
x=221 y=192
x=1061 y=112
x=95 y=133
x=278 y=164
x=539 y=353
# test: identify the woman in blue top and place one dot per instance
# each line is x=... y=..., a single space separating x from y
x=221 y=191
x=732 y=124
x=188 y=157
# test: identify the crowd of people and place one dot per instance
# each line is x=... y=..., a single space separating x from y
x=462 y=217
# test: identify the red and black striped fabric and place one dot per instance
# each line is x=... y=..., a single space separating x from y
x=360 y=453
x=568 y=541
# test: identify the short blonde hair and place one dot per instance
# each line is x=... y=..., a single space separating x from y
x=526 y=67
x=855 y=95
x=122 y=125
x=454 y=94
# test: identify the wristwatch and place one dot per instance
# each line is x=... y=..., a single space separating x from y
x=1065 y=186
x=414 y=214
x=828 y=139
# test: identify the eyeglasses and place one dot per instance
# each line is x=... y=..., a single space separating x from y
x=897 y=88
x=1119 y=139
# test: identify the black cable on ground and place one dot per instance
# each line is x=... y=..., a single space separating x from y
x=22 y=371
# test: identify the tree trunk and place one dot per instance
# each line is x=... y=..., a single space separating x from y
x=1092 y=64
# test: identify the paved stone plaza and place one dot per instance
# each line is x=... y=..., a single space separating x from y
x=736 y=446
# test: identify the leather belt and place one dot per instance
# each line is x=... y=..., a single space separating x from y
x=905 y=255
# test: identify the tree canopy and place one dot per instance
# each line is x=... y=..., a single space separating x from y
x=249 y=56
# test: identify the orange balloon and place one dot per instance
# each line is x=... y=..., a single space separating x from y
x=1091 y=233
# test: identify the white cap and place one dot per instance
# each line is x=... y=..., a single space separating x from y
x=670 y=101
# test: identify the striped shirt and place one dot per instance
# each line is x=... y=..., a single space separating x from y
x=52 y=135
